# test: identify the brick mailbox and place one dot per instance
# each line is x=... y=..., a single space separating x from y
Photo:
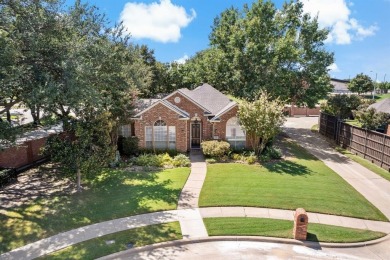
x=301 y=221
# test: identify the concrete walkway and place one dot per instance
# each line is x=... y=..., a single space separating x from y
x=191 y=223
x=373 y=187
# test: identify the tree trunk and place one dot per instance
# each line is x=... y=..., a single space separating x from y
x=78 y=180
x=9 y=116
x=35 y=114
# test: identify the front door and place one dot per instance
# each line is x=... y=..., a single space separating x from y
x=195 y=135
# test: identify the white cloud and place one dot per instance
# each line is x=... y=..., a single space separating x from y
x=183 y=59
x=336 y=15
x=333 y=67
x=157 y=21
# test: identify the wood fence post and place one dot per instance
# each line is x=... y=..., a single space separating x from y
x=383 y=149
x=365 y=146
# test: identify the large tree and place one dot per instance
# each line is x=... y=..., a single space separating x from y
x=280 y=51
x=73 y=64
x=261 y=120
x=361 y=84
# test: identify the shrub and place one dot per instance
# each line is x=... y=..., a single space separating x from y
x=181 y=160
x=236 y=157
x=7 y=175
x=165 y=159
x=215 y=148
x=251 y=158
x=128 y=145
x=274 y=153
x=211 y=161
x=148 y=160
x=171 y=152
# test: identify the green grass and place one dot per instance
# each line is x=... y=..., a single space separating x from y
x=98 y=247
x=283 y=229
x=112 y=194
x=302 y=181
x=382 y=96
x=353 y=122
x=365 y=163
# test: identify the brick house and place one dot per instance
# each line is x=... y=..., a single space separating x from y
x=185 y=118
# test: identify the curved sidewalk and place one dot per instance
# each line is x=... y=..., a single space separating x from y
x=65 y=239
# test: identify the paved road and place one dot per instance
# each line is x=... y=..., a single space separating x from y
x=254 y=250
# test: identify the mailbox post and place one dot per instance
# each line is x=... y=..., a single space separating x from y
x=301 y=221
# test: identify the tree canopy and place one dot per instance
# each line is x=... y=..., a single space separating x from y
x=261 y=119
x=261 y=48
x=72 y=64
x=361 y=84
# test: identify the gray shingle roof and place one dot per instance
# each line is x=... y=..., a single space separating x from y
x=208 y=97
x=382 y=106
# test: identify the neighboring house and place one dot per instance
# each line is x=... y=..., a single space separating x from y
x=185 y=118
x=383 y=106
x=340 y=86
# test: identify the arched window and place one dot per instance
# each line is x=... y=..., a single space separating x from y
x=234 y=133
x=160 y=136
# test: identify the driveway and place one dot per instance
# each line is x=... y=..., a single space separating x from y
x=373 y=187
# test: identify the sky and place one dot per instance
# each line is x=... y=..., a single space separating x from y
x=178 y=29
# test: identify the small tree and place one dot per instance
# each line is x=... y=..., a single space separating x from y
x=361 y=84
x=84 y=148
x=383 y=87
x=261 y=120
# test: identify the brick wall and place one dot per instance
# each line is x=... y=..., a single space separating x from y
x=171 y=118
x=183 y=127
x=21 y=155
x=221 y=126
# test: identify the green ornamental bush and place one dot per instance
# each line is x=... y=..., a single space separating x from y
x=148 y=160
x=274 y=153
x=165 y=159
x=211 y=161
x=181 y=160
x=215 y=148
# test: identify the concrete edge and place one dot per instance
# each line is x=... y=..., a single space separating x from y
x=310 y=244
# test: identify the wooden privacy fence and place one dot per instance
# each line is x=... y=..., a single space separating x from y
x=370 y=145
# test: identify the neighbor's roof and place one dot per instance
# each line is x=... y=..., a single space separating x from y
x=382 y=106
x=339 y=85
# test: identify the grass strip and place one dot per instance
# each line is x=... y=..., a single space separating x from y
x=119 y=241
x=283 y=229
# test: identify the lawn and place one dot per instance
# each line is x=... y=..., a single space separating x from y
x=112 y=194
x=299 y=181
x=283 y=229
x=98 y=247
x=365 y=163
x=382 y=96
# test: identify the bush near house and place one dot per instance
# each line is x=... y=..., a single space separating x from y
x=215 y=148
x=161 y=160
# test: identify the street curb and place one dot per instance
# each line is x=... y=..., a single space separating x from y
x=310 y=244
